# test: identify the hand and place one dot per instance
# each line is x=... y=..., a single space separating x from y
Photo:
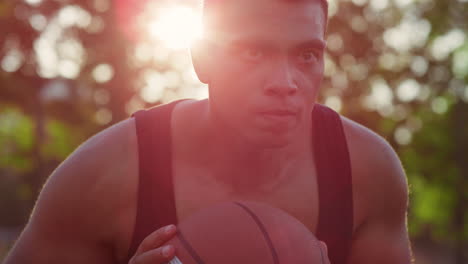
x=150 y=250
x=324 y=248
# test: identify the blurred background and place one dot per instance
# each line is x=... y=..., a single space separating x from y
x=70 y=68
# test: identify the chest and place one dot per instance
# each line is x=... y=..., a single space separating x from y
x=294 y=194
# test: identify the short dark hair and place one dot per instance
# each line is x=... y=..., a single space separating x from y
x=323 y=3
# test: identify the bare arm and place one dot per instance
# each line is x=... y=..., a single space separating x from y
x=72 y=219
x=382 y=237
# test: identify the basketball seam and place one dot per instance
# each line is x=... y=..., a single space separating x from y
x=189 y=248
x=263 y=230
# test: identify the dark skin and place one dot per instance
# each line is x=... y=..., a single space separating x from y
x=258 y=56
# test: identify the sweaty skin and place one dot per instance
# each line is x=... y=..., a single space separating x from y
x=259 y=57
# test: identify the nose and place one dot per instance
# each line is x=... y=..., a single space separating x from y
x=280 y=81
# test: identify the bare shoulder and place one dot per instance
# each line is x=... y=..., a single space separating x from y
x=71 y=220
x=368 y=148
x=379 y=181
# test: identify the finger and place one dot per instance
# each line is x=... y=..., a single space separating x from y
x=324 y=250
x=155 y=256
x=324 y=246
x=157 y=238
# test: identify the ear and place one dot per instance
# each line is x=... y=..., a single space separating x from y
x=201 y=62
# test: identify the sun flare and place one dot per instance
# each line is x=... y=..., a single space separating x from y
x=176 y=26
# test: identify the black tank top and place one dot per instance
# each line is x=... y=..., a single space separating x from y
x=156 y=204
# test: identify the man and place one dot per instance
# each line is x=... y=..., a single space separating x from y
x=251 y=140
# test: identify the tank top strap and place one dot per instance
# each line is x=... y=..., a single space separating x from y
x=335 y=225
x=156 y=203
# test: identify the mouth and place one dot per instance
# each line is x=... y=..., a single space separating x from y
x=282 y=117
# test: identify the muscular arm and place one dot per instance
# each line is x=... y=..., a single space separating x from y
x=74 y=218
x=381 y=188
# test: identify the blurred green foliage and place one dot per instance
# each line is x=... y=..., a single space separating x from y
x=16 y=139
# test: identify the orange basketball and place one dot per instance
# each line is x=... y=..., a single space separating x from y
x=244 y=232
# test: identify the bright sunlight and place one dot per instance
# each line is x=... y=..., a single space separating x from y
x=177 y=26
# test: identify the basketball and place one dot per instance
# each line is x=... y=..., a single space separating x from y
x=244 y=232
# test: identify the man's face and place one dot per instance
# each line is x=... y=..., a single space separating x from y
x=266 y=66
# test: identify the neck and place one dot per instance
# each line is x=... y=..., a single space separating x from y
x=245 y=167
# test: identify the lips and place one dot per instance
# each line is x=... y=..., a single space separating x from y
x=281 y=118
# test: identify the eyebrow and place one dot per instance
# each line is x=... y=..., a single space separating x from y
x=248 y=43
x=311 y=44
x=314 y=44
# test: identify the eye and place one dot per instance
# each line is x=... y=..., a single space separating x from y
x=308 y=56
x=252 y=54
